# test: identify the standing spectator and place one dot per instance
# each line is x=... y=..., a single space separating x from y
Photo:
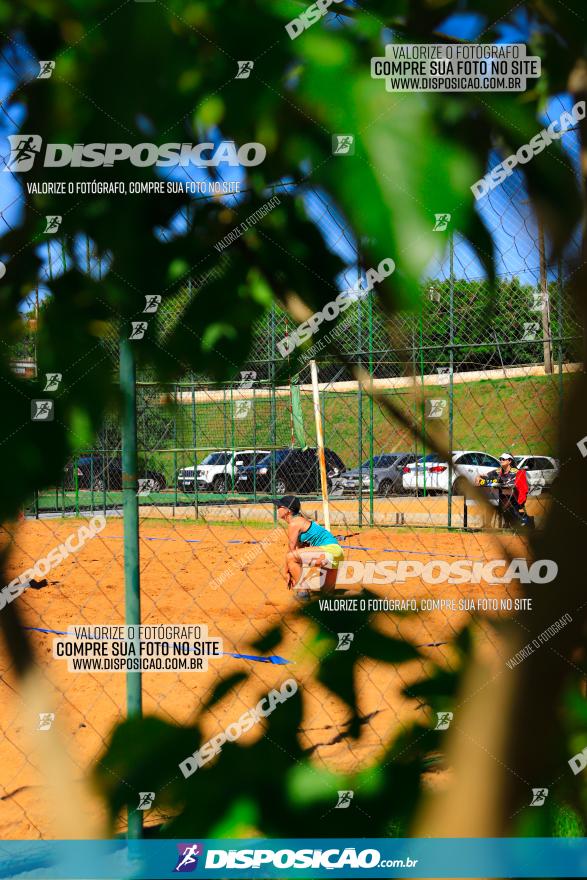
x=512 y=491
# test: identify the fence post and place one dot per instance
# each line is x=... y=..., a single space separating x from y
x=370 y=316
x=91 y=481
x=195 y=442
x=273 y=407
x=174 y=459
x=132 y=594
x=232 y=439
x=546 y=334
x=76 y=484
x=255 y=457
x=451 y=320
x=360 y=399
x=423 y=400
x=560 y=350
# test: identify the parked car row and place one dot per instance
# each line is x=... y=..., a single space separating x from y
x=282 y=470
x=100 y=473
x=431 y=473
x=387 y=474
x=219 y=470
x=297 y=470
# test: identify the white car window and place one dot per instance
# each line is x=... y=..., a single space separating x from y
x=486 y=460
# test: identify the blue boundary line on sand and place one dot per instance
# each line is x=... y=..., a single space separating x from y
x=345 y=546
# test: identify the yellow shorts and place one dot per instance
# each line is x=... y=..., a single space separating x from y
x=333 y=553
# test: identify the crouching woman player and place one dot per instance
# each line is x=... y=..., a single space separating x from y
x=309 y=544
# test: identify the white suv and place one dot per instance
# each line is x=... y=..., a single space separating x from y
x=431 y=472
x=541 y=471
x=215 y=473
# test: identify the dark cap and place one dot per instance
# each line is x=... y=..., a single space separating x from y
x=290 y=501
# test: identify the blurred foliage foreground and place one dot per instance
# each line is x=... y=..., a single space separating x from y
x=166 y=73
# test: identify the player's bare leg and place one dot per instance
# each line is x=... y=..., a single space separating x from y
x=294 y=568
x=296 y=579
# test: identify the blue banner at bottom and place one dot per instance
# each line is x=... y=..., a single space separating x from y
x=310 y=857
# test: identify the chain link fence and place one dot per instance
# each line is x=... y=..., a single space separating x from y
x=491 y=369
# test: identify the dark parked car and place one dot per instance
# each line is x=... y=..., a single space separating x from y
x=296 y=470
x=387 y=474
x=99 y=472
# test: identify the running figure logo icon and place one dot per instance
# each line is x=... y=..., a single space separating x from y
x=435 y=408
x=47 y=68
x=539 y=795
x=46 y=719
x=152 y=303
x=188 y=857
x=243 y=407
x=343 y=145
x=42 y=410
x=138 y=329
x=441 y=222
x=444 y=719
x=146 y=799
x=53 y=222
x=244 y=69
x=344 y=641
x=23 y=151
x=52 y=381
x=344 y=800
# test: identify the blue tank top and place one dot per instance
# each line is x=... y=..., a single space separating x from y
x=317 y=536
